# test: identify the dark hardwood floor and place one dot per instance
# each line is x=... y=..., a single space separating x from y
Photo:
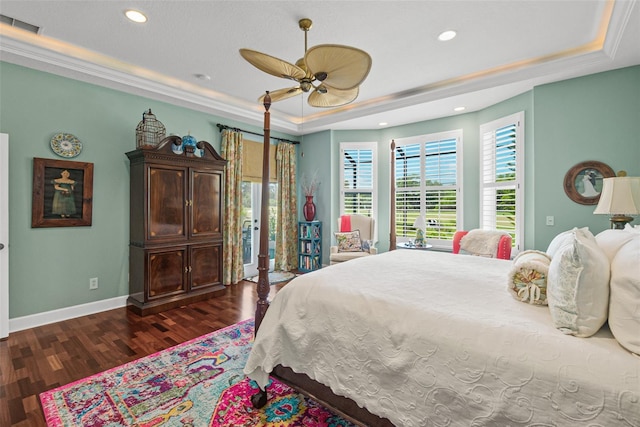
x=42 y=358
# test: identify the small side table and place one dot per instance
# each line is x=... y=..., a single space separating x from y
x=407 y=245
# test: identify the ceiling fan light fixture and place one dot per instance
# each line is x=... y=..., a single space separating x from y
x=341 y=71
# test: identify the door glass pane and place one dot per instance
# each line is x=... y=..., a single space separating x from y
x=251 y=204
x=273 y=215
x=247 y=220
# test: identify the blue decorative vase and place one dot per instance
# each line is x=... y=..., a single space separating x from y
x=189 y=141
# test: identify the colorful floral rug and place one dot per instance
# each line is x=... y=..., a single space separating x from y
x=197 y=383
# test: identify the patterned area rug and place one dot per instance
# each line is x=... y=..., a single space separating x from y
x=197 y=383
x=276 y=277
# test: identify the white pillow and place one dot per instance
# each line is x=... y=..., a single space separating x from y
x=578 y=285
x=624 y=306
x=564 y=238
x=612 y=240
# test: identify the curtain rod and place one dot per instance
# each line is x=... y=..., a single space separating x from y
x=222 y=127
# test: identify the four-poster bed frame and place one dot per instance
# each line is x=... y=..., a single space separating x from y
x=343 y=406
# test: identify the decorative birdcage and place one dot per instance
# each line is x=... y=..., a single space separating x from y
x=150 y=131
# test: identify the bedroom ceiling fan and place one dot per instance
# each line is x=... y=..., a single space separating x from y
x=332 y=73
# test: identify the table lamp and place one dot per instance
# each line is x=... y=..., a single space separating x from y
x=620 y=198
x=420 y=226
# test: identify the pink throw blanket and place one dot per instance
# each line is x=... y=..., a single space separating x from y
x=345 y=223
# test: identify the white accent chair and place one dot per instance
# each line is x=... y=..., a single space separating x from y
x=366 y=226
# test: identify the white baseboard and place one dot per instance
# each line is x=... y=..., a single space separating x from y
x=39 y=319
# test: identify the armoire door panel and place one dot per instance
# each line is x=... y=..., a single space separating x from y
x=167 y=272
x=167 y=206
x=205 y=266
x=206 y=218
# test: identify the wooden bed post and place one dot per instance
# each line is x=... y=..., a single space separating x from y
x=392 y=214
x=263 y=256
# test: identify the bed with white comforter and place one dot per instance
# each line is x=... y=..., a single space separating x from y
x=433 y=339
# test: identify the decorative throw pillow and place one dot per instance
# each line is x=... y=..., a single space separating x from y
x=366 y=245
x=563 y=238
x=624 y=317
x=528 y=277
x=578 y=285
x=610 y=241
x=349 y=241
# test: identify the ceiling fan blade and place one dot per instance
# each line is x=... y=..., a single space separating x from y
x=332 y=97
x=345 y=67
x=280 y=94
x=272 y=65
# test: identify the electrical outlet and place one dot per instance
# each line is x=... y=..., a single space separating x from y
x=550 y=220
x=93 y=283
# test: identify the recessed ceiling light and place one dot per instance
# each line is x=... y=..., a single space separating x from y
x=447 y=35
x=383 y=124
x=135 y=16
x=459 y=109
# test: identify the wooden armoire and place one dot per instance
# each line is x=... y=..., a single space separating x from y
x=175 y=245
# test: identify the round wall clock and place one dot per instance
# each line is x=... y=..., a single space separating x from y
x=66 y=145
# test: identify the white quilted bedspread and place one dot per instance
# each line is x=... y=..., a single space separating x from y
x=433 y=339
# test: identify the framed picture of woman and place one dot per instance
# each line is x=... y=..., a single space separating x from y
x=583 y=182
x=62 y=193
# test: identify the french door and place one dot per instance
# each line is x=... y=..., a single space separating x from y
x=251 y=205
x=4 y=235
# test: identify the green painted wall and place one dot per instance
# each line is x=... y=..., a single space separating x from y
x=313 y=157
x=595 y=117
x=50 y=267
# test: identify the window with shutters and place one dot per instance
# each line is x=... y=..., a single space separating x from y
x=428 y=181
x=502 y=177
x=358 y=170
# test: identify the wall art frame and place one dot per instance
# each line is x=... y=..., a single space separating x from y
x=583 y=182
x=62 y=193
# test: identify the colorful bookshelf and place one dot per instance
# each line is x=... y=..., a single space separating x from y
x=309 y=245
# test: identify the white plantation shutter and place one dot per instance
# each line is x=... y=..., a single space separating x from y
x=408 y=191
x=441 y=180
x=358 y=178
x=428 y=176
x=502 y=176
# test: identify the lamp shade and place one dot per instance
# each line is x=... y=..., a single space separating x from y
x=620 y=196
x=419 y=223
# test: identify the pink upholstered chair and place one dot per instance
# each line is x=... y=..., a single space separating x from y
x=501 y=249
